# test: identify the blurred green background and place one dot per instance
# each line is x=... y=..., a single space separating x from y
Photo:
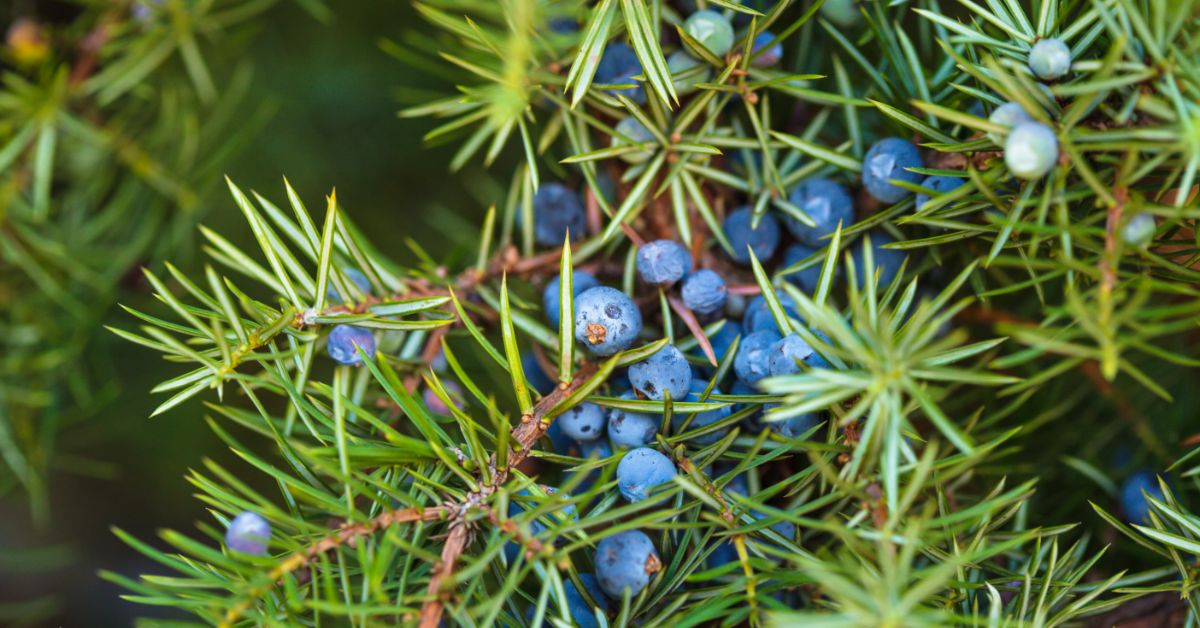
x=336 y=125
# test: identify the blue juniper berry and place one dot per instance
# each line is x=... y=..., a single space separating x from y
x=887 y=261
x=758 y=316
x=606 y=320
x=704 y=292
x=753 y=357
x=762 y=240
x=890 y=159
x=557 y=209
x=711 y=30
x=560 y=442
x=786 y=355
x=551 y=299
x=810 y=277
x=344 y=340
x=723 y=339
x=563 y=514
x=642 y=469
x=248 y=533
x=663 y=262
x=626 y=561
x=1050 y=59
x=772 y=55
x=628 y=429
x=752 y=422
x=618 y=66
x=535 y=375
x=702 y=419
x=581 y=612
x=357 y=277
x=665 y=371
x=564 y=25
x=598 y=449
x=1133 y=495
x=827 y=203
x=940 y=184
x=793 y=426
x=584 y=422
x=1031 y=150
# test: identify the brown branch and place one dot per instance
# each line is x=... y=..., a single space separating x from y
x=346 y=535
x=456 y=542
x=532 y=427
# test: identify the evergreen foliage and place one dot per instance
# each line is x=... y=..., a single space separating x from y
x=981 y=355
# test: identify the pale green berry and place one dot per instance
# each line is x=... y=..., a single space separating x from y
x=712 y=30
x=1031 y=150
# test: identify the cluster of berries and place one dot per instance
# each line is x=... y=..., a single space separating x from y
x=608 y=321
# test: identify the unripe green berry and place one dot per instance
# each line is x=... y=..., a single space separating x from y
x=712 y=30
x=1031 y=150
x=1139 y=231
x=1050 y=59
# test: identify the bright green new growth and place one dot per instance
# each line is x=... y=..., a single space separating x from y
x=1019 y=327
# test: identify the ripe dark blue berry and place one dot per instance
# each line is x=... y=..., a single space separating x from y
x=1133 y=495
x=557 y=516
x=356 y=277
x=1031 y=150
x=773 y=54
x=890 y=159
x=887 y=261
x=584 y=422
x=535 y=375
x=666 y=371
x=551 y=299
x=663 y=262
x=598 y=449
x=758 y=316
x=642 y=469
x=618 y=66
x=1050 y=59
x=786 y=355
x=712 y=30
x=343 y=341
x=626 y=561
x=794 y=426
x=753 y=357
x=606 y=320
x=723 y=339
x=763 y=240
x=628 y=429
x=702 y=419
x=557 y=209
x=827 y=203
x=940 y=184
x=808 y=278
x=248 y=533
x=581 y=612
x=704 y=292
